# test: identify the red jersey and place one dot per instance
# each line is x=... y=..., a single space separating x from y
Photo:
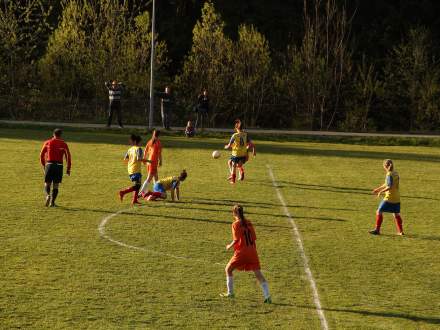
x=54 y=150
x=153 y=150
x=245 y=255
x=245 y=237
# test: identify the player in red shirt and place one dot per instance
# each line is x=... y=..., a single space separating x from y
x=153 y=159
x=51 y=158
x=245 y=256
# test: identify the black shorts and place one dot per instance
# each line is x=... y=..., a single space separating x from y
x=53 y=172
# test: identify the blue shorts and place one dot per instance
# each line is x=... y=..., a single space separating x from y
x=136 y=177
x=388 y=207
x=238 y=160
x=158 y=188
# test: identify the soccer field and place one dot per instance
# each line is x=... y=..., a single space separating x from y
x=83 y=265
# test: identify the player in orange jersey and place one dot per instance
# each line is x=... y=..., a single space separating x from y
x=245 y=256
x=153 y=158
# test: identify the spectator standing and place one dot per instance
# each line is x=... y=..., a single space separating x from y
x=202 y=108
x=115 y=90
x=166 y=103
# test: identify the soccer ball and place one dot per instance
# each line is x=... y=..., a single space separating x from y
x=216 y=154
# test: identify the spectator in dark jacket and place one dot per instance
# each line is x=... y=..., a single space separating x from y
x=166 y=103
x=115 y=90
x=202 y=108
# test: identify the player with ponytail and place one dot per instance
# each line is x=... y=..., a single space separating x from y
x=391 y=201
x=245 y=256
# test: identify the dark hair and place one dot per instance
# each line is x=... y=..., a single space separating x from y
x=57 y=132
x=135 y=138
x=239 y=213
x=183 y=175
x=238 y=124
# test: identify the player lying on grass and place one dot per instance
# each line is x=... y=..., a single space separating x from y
x=391 y=201
x=134 y=159
x=161 y=187
x=51 y=158
x=245 y=256
x=240 y=144
x=153 y=159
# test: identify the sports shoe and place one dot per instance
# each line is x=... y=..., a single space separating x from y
x=374 y=232
x=401 y=234
x=52 y=204
x=227 y=295
x=268 y=300
x=47 y=200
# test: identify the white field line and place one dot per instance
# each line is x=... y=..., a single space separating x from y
x=102 y=232
x=298 y=239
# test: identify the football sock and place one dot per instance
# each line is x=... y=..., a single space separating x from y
x=265 y=288
x=47 y=189
x=144 y=186
x=135 y=196
x=54 y=194
x=379 y=220
x=230 y=284
x=399 y=223
x=127 y=190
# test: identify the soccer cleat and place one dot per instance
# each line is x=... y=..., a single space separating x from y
x=52 y=204
x=268 y=300
x=374 y=232
x=47 y=200
x=401 y=234
x=227 y=295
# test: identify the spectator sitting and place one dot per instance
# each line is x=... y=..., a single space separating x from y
x=189 y=129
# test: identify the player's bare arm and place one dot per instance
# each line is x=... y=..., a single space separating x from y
x=230 y=245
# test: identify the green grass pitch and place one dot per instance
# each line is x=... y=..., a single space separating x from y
x=57 y=271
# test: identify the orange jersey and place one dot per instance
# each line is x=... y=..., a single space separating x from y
x=245 y=250
x=153 y=151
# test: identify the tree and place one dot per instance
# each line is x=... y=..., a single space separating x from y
x=23 y=25
x=412 y=82
x=252 y=73
x=96 y=42
x=209 y=62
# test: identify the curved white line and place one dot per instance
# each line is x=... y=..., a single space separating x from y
x=104 y=222
x=297 y=236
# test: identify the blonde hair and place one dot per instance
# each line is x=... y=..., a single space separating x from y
x=388 y=163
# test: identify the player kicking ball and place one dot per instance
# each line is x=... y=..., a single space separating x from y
x=391 y=201
x=240 y=145
x=245 y=256
x=134 y=159
x=161 y=187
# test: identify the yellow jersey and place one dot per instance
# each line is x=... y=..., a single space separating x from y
x=169 y=183
x=239 y=142
x=134 y=156
x=392 y=181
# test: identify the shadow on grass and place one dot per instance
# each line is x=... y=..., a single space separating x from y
x=415 y=318
x=339 y=190
x=228 y=202
x=413 y=236
x=105 y=137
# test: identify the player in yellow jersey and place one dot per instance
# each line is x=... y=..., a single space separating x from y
x=134 y=159
x=391 y=201
x=171 y=183
x=240 y=144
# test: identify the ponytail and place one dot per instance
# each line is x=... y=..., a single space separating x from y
x=239 y=213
